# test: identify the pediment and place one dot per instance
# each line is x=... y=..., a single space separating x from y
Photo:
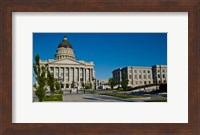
x=67 y=61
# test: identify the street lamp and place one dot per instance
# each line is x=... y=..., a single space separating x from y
x=59 y=80
x=94 y=79
x=83 y=85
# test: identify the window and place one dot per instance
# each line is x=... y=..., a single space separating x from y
x=158 y=76
x=144 y=82
x=51 y=68
x=135 y=76
x=140 y=82
x=149 y=82
x=67 y=85
x=130 y=71
x=140 y=71
x=163 y=76
x=135 y=71
x=140 y=76
x=148 y=71
x=158 y=71
x=163 y=71
x=130 y=76
x=149 y=76
x=145 y=77
x=135 y=82
x=144 y=71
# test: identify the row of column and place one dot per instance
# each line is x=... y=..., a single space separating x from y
x=69 y=74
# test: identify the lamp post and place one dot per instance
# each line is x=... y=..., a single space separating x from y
x=83 y=85
x=94 y=79
x=59 y=80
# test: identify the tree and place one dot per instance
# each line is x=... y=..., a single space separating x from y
x=40 y=78
x=124 y=82
x=88 y=85
x=111 y=82
x=57 y=85
x=83 y=85
x=51 y=82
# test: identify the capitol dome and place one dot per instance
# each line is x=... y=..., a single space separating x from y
x=64 y=50
x=65 y=43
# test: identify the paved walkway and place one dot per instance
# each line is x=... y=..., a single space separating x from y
x=81 y=97
x=104 y=98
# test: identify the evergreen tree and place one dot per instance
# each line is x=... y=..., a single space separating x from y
x=40 y=78
x=51 y=82
x=124 y=82
x=111 y=82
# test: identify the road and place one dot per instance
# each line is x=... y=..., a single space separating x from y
x=87 y=97
x=104 y=98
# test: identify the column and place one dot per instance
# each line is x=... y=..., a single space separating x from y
x=64 y=72
x=79 y=74
x=69 y=74
x=59 y=72
x=91 y=74
x=54 y=72
x=74 y=75
x=83 y=76
x=69 y=70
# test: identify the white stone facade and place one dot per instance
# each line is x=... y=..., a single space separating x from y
x=138 y=76
x=70 y=72
x=103 y=84
x=159 y=73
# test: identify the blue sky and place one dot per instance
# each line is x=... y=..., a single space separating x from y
x=108 y=51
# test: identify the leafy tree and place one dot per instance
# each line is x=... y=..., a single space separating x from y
x=40 y=78
x=34 y=85
x=57 y=85
x=83 y=85
x=88 y=85
x=111 y=82
x=51 y=82
x=124 y=82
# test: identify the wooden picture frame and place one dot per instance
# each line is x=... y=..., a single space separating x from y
x=9 y=6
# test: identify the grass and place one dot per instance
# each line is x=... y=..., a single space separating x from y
x=163 y=100
x=58 y=92
x=122 y=95
x=53 y=98
x=92 y=91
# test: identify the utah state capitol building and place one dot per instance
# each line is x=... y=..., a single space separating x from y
x=71 y=73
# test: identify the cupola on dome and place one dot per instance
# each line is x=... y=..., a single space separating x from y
x=65 y=43
x=64 y=50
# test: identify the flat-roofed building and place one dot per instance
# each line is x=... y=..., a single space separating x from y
x=141 y=75
x=159 y=73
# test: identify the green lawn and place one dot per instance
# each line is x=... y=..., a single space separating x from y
x=122 y=95
x=53 y=98
x=58 y=92
x=92 y=91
